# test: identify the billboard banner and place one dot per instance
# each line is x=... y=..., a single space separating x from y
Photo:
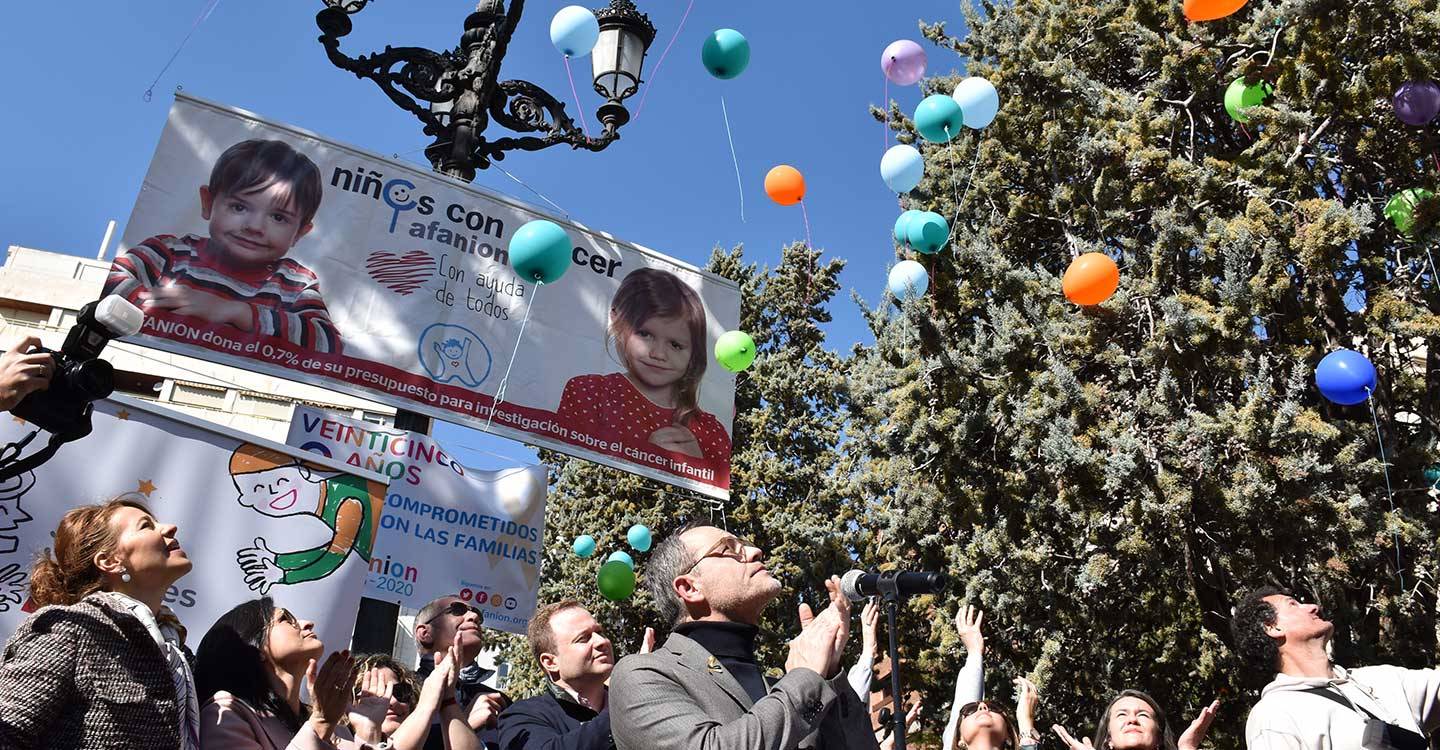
x=448 y=529
x=255 y=518
x=262 y=246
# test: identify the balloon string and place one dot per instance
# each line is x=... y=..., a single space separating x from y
x=809 y=250
x=959 y=196
x=740 y=185
x=150 y=91
x=579 y=110
x=520 y=337
x=1385 y=468
x=656 y=73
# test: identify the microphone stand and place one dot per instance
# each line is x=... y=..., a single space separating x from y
x=889 y=587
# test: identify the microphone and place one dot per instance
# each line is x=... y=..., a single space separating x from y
x=857 y=584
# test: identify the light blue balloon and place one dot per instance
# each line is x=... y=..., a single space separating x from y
x=908 y=280
x=639 y=538
x=938 y=118
x=902 y=167
x=902 y=226
x=574 y=31
x=979 y=100
x=540 y=251
x=584 y=545
x=622 y=557
x=1345 y=377
x=927 y=232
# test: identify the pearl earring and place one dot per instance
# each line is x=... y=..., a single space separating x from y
x=125 y=575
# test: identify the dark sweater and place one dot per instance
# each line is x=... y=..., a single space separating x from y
x=554 y=721
x=733 y=643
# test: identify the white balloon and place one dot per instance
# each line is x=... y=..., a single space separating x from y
x=908 y=279
x=902 y=167
x=574 y=31
x=978 y=100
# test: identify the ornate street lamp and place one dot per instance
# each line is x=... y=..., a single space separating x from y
x=457 y=93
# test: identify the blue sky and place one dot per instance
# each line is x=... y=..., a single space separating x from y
x=79 y=135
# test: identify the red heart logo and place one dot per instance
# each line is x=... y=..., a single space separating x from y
x=400 y=273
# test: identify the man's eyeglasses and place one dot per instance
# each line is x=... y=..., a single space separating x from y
x=456 y=608
x=732 y=547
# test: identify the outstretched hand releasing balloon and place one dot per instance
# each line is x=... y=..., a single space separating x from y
x=584 y=546
x=735 y=350
x=908 y=280
x=903 y=62
x=1400 y=210
x=939 y=118
x=1090 y=279
x=1417 y=102
x=574 y=31
x=1211 y=10
x=540 y=251
x=1345 y=377
x=785 y=185
x=927 y=232
x=1241 y=96
x=902 y=167
x=978 y=100
x=726 y=54
x=616 y=580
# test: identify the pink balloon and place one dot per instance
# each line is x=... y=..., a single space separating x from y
x=903 y=62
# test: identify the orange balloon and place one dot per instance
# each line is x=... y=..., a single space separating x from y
x=785 y=185
x=1090 y=279
x=1210 y=10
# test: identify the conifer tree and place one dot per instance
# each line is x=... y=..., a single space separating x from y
x=783 y=448
x=1103 y=481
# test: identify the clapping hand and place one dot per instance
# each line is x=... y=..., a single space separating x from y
x=371 y=702
x=330 y=688
x=822 y=637
x=1195 y=734
x=1071 y=742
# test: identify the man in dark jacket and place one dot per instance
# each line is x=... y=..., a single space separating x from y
x=577 y=657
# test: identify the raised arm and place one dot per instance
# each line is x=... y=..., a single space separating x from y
x=970 y=683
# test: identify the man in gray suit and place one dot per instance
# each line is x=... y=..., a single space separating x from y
x=703 y=687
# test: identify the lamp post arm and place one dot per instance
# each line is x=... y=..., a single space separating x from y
x=526 y=108
x=419 y=76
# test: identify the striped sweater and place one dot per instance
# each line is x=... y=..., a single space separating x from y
x=284 y=296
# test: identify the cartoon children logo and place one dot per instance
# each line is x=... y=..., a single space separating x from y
x=450 y=352
x=279 y=485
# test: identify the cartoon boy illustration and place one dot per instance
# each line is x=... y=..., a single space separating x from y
x=261 y=199
x=11 y=514
x=279 y=485
x=454 y=361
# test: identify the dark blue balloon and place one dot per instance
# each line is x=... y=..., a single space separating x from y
x=1345 y=377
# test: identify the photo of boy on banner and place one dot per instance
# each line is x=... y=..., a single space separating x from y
x=260 y=200
x=278 y=485
x=657 y=331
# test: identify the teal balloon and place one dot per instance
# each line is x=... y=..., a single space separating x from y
x=927 y=232
x=939 y=118
x=902 y=226
x=620 y=556
x=639 y=538
x=540 y=251
x=901 y=168
x=725 y=54
x=1432 y=474
x=615 y=580
x=908 y=279
x=584 y=545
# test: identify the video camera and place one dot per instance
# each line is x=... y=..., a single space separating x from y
x=80 y=376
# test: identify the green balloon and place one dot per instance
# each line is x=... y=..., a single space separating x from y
x=616 y=580
x=1401 y=209
x=1240 y=97
x=725 y=54
x=735 y=350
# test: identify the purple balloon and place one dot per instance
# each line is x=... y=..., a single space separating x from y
x=903 y=62
x=1417 y=102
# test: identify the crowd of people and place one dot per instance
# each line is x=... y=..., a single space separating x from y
x=103 y=664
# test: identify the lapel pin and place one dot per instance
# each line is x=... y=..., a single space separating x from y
x=713 y=665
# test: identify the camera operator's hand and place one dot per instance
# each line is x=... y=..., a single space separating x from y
x=23 y=373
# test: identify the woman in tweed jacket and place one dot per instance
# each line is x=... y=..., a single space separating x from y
x=101 y=664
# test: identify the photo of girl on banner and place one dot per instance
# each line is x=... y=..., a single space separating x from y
x=656 y=332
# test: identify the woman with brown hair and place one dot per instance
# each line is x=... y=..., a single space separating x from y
x=1134 y=721
x=102 y=664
